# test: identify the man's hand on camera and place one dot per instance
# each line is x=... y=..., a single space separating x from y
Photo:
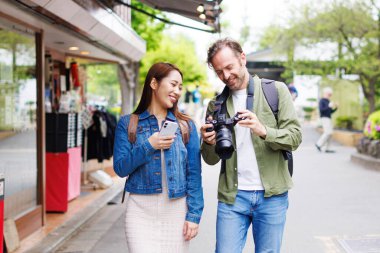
x=208 y=137
x=253 y=123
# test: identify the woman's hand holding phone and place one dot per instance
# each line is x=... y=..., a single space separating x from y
x=165 y=138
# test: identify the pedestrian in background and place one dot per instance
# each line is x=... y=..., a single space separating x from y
x=187 y=96
x=254 y=182
x=293 y=91
x=326 y=108
x=196 y=95
x=165 y=203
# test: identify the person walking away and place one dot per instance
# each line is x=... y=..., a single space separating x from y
x=196 y=95
x=293 y=91
x=187 y=100
x=197 y=106
x=254 y=181
x=326 y=108
x=165 y=203
x=187 y=96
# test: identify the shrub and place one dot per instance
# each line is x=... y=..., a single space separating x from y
x=345 y=122
x=372 y=126
x=308 y=109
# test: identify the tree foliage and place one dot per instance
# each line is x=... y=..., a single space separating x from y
x=180 y=51
x=147 y=27
x=22 y=50
x=355 y=29
x=177 y=50
x=101 y=76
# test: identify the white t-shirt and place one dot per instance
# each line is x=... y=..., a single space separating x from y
x=248 y=171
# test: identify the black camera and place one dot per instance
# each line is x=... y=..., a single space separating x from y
x=222 y=126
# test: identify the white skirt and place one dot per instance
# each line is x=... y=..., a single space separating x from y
x=154 y=223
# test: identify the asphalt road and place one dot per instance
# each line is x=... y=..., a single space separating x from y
x=334 y=208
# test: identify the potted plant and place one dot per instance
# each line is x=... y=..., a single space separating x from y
x=370 y=143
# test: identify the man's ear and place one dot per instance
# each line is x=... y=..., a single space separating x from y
x=154 y=84
x=243 y=59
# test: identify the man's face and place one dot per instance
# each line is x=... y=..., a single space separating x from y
x=230 y=68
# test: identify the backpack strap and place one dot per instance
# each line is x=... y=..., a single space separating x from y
x=271 y=95
x=250 y=93
x=184 y=128
x=134 y=120
x=132 y=127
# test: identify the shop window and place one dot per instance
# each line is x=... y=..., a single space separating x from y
x=18 y=128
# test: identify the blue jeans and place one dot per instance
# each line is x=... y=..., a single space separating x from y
x=267 y=216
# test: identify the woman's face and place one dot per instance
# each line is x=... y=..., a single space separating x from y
x=168 y=91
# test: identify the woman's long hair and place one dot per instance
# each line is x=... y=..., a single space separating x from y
x=158 y=71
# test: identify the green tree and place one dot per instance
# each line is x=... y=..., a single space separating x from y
x=101 y=76
x=19 y=45
x=147 y=27
x=353 y=26
x=180 y=51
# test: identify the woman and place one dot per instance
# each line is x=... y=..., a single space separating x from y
x=165 y=203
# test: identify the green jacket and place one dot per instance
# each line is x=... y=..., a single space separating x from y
x=286 y=134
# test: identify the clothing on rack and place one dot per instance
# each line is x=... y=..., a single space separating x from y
x=100 y=136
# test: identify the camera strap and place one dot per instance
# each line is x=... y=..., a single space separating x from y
x=220 y=107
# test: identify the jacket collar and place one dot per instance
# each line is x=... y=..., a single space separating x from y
x=146 y=114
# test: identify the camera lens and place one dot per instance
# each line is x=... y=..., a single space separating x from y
x=224 y=146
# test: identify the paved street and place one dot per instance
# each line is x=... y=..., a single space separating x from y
x=334 y=208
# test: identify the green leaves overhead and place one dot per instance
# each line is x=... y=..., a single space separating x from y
x=147 y=27
x=180 y=51
x=353 y=26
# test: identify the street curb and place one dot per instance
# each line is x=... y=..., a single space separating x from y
x=55 y=238
x=366 y=161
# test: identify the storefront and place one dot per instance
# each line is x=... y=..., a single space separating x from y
x=41 y=44
x=20 y=124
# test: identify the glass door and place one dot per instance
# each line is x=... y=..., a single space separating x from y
x=18 y=128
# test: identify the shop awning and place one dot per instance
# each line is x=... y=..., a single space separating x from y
x=206 y=12
x=85 y=25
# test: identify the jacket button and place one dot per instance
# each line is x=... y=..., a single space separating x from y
x=235 y=185
x=169 y=162
x=170 y=178
x=235 y=169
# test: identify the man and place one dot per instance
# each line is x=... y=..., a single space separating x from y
x=254 y=182
x=326 y=108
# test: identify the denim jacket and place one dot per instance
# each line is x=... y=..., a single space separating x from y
x=142 y=163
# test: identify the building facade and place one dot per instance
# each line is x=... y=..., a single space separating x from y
x=39 y=42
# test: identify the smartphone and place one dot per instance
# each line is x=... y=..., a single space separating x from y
x=168 y=128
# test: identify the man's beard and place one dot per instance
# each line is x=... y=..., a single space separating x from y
x=239 y=79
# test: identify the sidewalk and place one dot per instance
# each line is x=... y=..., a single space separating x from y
x=61 y=226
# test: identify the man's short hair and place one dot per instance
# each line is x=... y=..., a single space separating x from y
x=220 y=44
